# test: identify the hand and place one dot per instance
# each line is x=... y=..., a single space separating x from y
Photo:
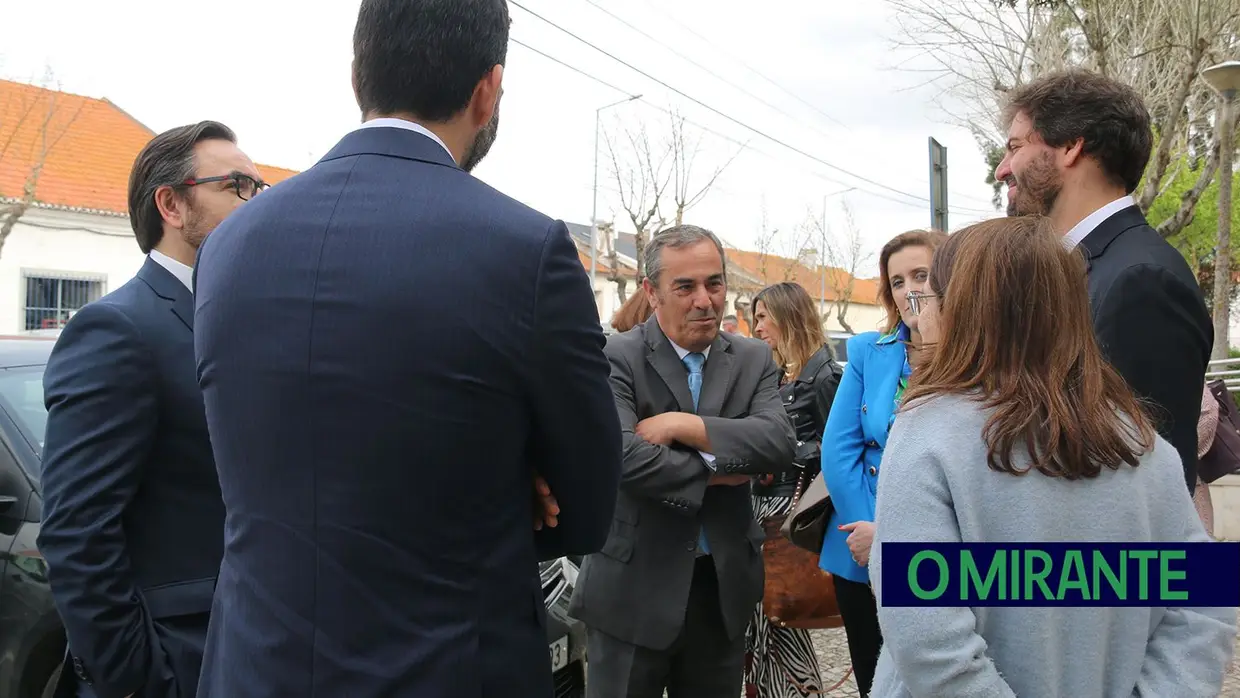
x=546 y=509
x=860 y=538
x=727 y=480
x=662 y=429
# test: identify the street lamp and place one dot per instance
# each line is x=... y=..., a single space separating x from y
x=1224 y=79
x=594 y=207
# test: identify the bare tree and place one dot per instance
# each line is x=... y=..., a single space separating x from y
x=841 y=257
x=44 y=118
x=615 y=274
x=656 y=176
x=982 y=49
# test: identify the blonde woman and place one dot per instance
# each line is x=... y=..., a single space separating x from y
x=780 y=662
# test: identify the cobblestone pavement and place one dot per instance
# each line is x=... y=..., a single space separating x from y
x=833 y=658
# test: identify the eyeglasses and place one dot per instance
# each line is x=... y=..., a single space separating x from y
x=915 y=300
x=246 y=186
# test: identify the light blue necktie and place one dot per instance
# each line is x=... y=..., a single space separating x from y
x=694 y=361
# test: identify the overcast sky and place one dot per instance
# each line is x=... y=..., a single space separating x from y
x=790 y=75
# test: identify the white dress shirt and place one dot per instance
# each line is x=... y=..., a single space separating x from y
x=181 y=271
x=388 y=122
x=1093 y=220
x=682 y=353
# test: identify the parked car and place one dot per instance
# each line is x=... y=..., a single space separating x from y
x=32 y=643
x=839 y=346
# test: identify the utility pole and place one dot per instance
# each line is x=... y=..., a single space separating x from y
x=594 y=206
x=938 y=186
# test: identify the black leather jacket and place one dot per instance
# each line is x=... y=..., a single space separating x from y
x=807 y=401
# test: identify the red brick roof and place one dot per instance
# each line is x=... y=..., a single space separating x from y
x=86 y=147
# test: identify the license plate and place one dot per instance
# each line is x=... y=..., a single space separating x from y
x=559 y=654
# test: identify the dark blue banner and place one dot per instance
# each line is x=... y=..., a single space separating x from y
x=1061 y=574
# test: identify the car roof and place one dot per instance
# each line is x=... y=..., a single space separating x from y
x=24 y=351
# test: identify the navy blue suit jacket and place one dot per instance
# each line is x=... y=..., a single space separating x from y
x=388 y=348
x=132 y=517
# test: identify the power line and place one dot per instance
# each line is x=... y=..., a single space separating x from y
x=717 y=111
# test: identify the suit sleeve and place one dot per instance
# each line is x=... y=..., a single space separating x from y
x=102 y=415
x=577 y=431
x=653 y=471
x=936 y=651
x=844 y=444
x=762 y=441
x=1154 y=331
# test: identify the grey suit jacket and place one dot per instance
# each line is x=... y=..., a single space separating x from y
x=636 y=588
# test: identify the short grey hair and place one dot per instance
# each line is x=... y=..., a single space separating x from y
x=675 y=237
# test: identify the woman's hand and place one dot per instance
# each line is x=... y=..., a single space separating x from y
x=860 y=538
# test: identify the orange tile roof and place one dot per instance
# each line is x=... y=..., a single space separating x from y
x=770 y=269
x=86 y=147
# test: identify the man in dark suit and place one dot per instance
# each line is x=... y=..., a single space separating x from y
x=1077 y=146
x=388 y=348
x=667 y=599
x=133 y=523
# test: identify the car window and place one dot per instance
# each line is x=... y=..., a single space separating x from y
x=839 y=347
x=21 y=395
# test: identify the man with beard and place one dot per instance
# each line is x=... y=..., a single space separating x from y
x=132 y=515
x=1077 y=146
x=388 y=349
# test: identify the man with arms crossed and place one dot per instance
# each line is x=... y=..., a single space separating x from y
x=132 y=518
x=1077 y=146
x=667 y=599
x=388 y=348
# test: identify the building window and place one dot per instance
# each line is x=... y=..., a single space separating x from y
x=52 y=299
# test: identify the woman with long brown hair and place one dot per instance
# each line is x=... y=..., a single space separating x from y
x=1017 y=430
x=879 y=365
x=780 y=661
x=632 y=312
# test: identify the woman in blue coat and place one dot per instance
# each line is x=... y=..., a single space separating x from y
x=878 y=367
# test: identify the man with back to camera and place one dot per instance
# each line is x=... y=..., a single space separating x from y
x=132 y=516
x=1077 y=147
x=667 y=600
x=387 y=349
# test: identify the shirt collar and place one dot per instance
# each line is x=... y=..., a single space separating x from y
x=682 y=352
x=391 y=122
x=899 y=334
x=1095 y=219
x=184 y=273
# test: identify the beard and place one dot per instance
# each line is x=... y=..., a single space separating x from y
x=1037 y=189
x=482 y=143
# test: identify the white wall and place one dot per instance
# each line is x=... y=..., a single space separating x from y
x=63 y=245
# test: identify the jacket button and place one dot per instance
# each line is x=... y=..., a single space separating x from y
x=863 y=408
x=872 y=443
x=692 y=546
x=873 y=470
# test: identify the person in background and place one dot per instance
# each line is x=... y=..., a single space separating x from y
x=781 y=662
x=1207 y=423
x=730 y=324
x=635 y=311
x=667 y=599
x=133 y=522
x=1077 y=147
x=879 y=365
x=1015 y=370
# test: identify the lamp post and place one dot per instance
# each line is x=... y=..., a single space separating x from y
x=594 y=207
x=1224 y=79
x=822 y=254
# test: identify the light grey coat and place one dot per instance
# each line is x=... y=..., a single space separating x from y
x=936 y=486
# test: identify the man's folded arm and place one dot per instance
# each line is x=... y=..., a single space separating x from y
x=578 y=437
x=101 y=422
x=763 y=441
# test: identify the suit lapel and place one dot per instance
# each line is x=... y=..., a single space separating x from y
x=661 y=356
x=168 y=287
x=716 y=378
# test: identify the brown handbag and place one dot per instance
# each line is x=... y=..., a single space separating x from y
x=798 y=593
x=1223 y=458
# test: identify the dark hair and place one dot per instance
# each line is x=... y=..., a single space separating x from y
x=166 y=161
x=929 y=239
x=1107 y=115
x=676 y=237
x=425 y=57
x=635 y=311
x=1015 y=332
